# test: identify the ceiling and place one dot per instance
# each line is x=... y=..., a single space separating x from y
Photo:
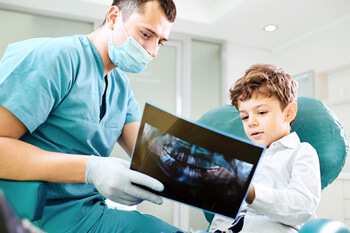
x=241 y=22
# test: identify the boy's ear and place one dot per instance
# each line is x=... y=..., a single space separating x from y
x=291 y=111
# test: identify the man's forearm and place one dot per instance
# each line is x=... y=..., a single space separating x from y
x=22 y=161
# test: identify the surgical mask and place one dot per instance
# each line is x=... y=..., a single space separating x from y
x=130 y=57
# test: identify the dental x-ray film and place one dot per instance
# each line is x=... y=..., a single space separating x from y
x=199 y=166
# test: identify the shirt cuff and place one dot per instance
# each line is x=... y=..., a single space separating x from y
x=263 y=198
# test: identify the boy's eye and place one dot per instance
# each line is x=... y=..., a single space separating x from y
x=262 y=112
x=160 y=43
x=244 y=118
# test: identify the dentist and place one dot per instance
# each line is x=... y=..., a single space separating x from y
x=64 y=103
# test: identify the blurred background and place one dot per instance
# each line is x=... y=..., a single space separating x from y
x=212 y=44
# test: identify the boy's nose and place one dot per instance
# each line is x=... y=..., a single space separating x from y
x=252 y=121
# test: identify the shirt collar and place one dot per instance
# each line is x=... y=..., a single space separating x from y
x=291 y=141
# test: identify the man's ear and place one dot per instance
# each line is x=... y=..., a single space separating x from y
x=291 y=111
x=113 y=16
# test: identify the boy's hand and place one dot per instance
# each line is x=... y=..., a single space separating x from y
x=251 y=195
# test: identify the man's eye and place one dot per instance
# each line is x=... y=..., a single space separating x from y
x=160 y=43
x=146 y=35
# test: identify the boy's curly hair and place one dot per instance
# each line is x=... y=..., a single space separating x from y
x=267 y=80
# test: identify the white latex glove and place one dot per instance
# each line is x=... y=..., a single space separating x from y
x=113 y=179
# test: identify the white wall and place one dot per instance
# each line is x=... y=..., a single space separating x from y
x=239 y=59
x=321 y=50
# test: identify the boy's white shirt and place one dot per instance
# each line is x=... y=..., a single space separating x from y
x=287 y=189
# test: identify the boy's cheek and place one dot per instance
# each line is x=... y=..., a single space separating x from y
x=248 y=135
x=246 y=130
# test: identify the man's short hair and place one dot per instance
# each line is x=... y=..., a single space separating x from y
x=267 y=80
x=128 y=7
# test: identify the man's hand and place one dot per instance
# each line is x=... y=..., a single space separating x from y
x=115 y=181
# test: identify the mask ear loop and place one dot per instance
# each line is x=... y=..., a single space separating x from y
x=127 y=34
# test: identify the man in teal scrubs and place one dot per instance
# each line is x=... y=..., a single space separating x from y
x=63 y=105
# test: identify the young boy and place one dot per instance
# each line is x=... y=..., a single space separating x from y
x=286 y=188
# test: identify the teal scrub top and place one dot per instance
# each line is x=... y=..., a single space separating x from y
x=55 y=86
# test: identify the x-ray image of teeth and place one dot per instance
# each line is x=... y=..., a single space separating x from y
x=193 y=165
x=198 y=165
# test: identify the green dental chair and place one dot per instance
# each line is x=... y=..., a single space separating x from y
x=27 y=198
x=315 y=124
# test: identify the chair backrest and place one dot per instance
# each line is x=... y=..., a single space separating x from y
x=324 y=225
x=315 y=123
x=27 y=198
